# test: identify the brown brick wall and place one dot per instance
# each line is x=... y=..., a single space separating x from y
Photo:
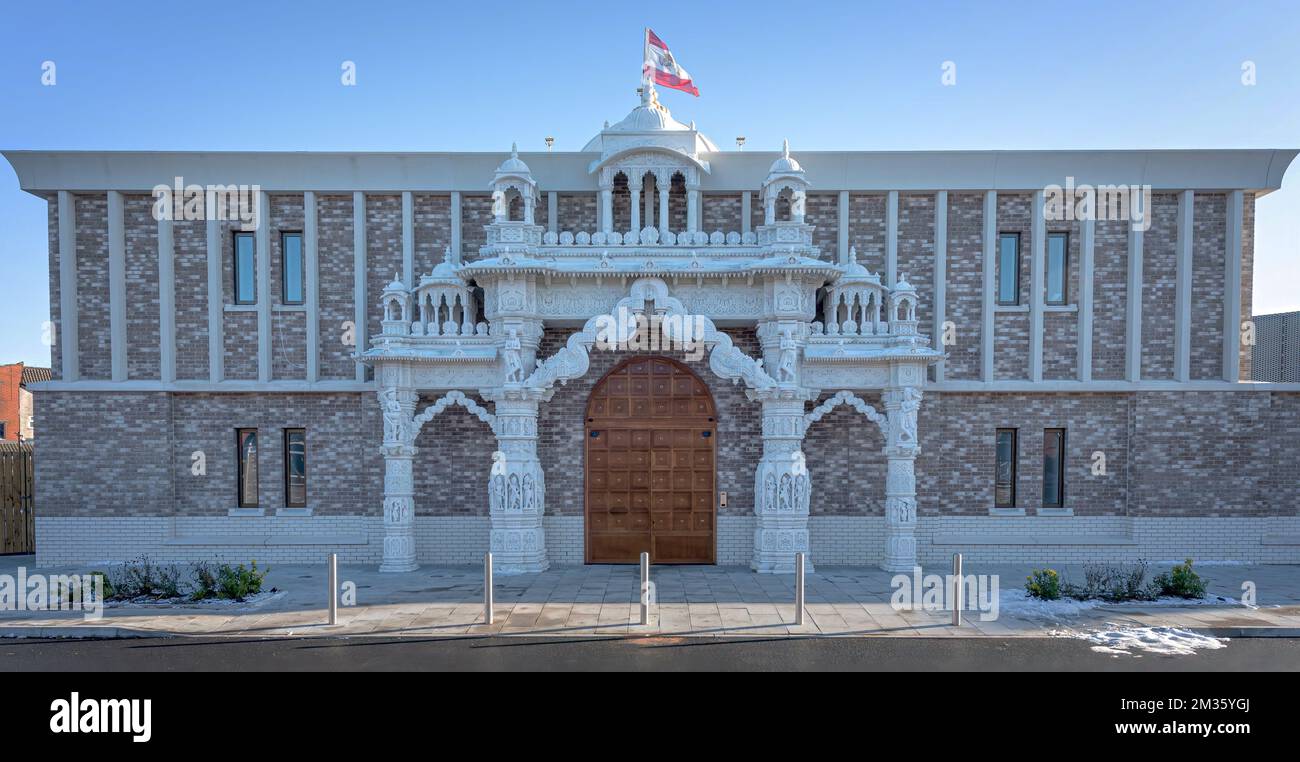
x=190 y=271
x=432 y=224
x=1209 y=221
x=1159 y=285
x=93 y=332
x=56 y=348
x=964 y=301
x=337 y=280
x=143 y=355
x=867 y=230
x=1109 y=297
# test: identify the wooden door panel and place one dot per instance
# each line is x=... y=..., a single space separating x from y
x=651 y=443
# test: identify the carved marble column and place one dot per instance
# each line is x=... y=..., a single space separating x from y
x=607 y=209
x=516 y=488
x=781 y=487
x=398 y=408
x=901 y=449
x=664 y=185
x=692 y=209
x=636 y=207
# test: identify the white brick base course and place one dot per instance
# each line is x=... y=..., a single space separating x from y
x=834 y=540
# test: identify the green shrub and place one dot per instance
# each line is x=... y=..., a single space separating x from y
x=1044 y=584
x=1181 y=582
x=239 y=582
x=1113 y=583
x=204 y=581
x=109 y=592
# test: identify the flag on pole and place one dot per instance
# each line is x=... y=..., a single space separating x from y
x=661 y=68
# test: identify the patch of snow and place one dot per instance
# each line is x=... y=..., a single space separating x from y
x=252 y=601
x=1134 y=641
x=1018 y=603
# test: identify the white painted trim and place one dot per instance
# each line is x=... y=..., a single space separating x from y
x=408 y=239
x=311 y=252
x=1183 y=287
x=1054 y=512
x=1011 y=308
x=940 y=295
x=166 y=301
x=1086 y=276
x=1133 y=307
x=981 y=538
x=216 y=300
x=359 y=330
x=1075 y=387
x=746 y=209
x=995 y=511
x=117 y=285
x=245 y=512
x=268 y=539
x=272 y=387
x=842 y=241
x=262 y=252
x=455 y=229
x=67 y=328
x=990 y=283
x=1037 y=255
x=891 y=238
x=1232 y=290
x=553 y=212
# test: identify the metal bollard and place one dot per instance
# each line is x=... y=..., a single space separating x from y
x=956 y=590
x=798 y=588
x=334 y=587
x=487 y=588
x=645 y=588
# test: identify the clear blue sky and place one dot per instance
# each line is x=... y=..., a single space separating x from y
x=476 y=76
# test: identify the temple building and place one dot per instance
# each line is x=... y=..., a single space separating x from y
x=716 y=357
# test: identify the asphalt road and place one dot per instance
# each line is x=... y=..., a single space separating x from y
x=615 y=654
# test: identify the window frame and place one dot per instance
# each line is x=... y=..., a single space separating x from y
x=1065 y=270
x=241 y=475
x=284 y=268
x=1060 y=467
x=288 y=432
x=234 y=272
x=997 y=286
x=1015 y=457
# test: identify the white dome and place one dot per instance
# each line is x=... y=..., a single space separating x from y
x=513 y=165
x=786 y=164
x=649 y=116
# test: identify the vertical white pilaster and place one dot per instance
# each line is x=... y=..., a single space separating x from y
x=1232 y=290
x=216 y=303
x=1133 y=304
x=746 y=210
x=398 y=408
x=311 y=255
x=901 y=406
x=1086 y=247
x=665 y=187
x=635 y=208
x=166 y=302
x=692 y=209
x=648 y=207
x=891 y=238
x=782 y=488
x=553 y=212
x=842 y=242
x=264 y=298
x=1183 y=289
x=606 y=210
x=66 y=332
x=408 y=239
x=990 y=283
x=517 y=488
x=361 y=332
x=456 y=254
x=940 y=275
x=117 y=285
x=1038 y=242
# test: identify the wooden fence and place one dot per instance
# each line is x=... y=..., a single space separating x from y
x=17 y=499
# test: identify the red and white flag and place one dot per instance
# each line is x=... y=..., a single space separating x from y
x=661 y=68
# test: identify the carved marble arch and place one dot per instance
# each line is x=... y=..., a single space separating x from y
x=650 y=296
x=449 y=399
x=857 y=403
x=635 y=163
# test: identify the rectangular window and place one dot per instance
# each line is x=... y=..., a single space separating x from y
x=1009 y=268
x=295 y=468
x=1004 y=493
x=246 y=440
x=1058 y=265
x=292 y=268
x=1053 y=468
x=245 y=269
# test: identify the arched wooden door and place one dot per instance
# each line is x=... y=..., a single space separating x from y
x=651 y=460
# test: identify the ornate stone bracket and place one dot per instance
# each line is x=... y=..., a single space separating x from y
x=726 y=360
x=853 y=401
